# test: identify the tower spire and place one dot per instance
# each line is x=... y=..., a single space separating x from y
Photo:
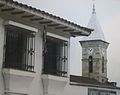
x=93 y=9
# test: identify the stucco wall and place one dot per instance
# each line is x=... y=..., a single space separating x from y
x=75 y=90
x=1 y=56
x=97 y=49
x=36 y=87
x=83 y=90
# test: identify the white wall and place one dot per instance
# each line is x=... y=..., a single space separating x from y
x=1 y=56
x=83 y=90
x=75 y=90
x=36 y=85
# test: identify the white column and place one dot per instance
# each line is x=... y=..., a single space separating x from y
x=1 y=56
x=36 y=87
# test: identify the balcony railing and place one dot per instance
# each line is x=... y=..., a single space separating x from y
x=20 y=67
x=55 y=57
x=55 y=65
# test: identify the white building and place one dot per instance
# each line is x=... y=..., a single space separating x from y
x=94 y=79
x=34 y=58
x=34 y=50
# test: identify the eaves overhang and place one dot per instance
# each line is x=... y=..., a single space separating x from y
x=24 y=11
x=93 y=85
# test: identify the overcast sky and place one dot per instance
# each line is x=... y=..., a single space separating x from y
x=79 y=11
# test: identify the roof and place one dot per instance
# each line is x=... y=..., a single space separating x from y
x=80 y=79
x=97 y=34
x=85 y=81
x=14 y=8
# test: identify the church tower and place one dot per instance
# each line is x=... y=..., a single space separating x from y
x=94 y=52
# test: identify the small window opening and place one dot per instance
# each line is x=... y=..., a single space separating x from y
x=90 y=64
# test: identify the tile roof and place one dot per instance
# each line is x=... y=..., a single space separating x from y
x=84 y=81
x=45 y=15
x=80 y=79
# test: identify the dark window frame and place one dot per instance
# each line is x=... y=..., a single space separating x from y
x=19 y=48
x=55 y=57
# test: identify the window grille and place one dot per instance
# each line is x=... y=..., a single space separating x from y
x=55 y=59
x=19 y=49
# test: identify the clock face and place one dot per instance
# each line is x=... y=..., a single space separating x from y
x=90 y=50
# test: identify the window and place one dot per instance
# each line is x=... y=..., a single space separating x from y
x=19 y=49
x=100 y=92
x=90 y=59
x=93 y=92
x=55 y=58
x=102 y=64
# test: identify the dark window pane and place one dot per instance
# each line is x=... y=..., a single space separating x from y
x=102 y=64
x=90 y=60
x=55 y=58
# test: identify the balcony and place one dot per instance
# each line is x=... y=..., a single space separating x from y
x=54 y=65
x=55 y=69
x=17 y=81
x=19 y=58
x=55 y=57
x=54 y=85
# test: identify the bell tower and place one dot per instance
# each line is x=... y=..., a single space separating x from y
x=94 y=52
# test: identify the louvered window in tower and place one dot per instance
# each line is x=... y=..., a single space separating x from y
x=102 y=64
x=90 y=60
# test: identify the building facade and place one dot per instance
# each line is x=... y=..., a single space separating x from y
x=35 y=57
x=34 y=46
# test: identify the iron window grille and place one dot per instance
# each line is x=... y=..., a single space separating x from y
x=19 y=49
x=56 y=57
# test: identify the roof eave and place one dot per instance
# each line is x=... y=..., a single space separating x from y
x=93 y=85
x=81 y=31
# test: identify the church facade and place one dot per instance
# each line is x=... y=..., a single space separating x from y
x=94 y=79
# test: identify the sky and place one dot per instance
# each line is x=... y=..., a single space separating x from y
x=80 y=11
